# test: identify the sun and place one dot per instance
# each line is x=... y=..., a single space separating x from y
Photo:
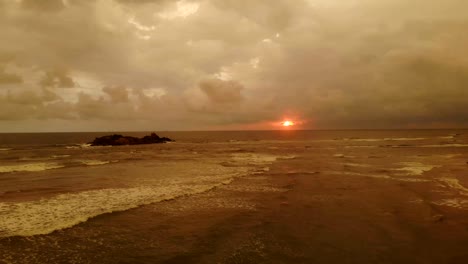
x=287 y=123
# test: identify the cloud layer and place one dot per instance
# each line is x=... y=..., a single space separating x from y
x=86 y=65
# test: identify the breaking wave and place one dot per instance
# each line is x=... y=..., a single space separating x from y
x=66 y=210
x=30 y=167
x=415 y=168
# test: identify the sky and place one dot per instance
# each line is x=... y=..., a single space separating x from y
x=132 y=65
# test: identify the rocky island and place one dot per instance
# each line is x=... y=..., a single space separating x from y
x=118 y=140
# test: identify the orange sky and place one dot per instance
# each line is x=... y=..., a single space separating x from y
x=165 y=65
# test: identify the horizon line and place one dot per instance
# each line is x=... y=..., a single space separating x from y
x=243 y=130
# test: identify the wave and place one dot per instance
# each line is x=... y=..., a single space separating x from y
x=30 y=167
x=445 y=146
x=52 y=157
x=42 y=166
x=44 y=158
x=379 y=176
x=426 y=146
x=79 y=146
x=95 y=162
x=342 y=156
x=357 y=165
x=5 y=149
x=253 y=158
x=67 y=210
x=361 y=146
x=451 y=136
x=415 y=168
x=59 y=156
x=454 y=202
x=447 y=137
x=454 y=184
x=404 y=139
x=382 y=139
x=364 y=139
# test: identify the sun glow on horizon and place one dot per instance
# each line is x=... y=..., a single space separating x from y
x=287 y=123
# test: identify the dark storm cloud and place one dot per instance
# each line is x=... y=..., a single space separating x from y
x=211 y=63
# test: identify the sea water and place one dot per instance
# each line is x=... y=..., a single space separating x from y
x=56 y=190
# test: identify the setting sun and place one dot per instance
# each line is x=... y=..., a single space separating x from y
x=287 y=123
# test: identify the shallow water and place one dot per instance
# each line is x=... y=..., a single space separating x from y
x=235 y=197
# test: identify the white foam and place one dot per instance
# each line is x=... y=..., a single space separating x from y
x=411 y=180
x=382 y=139
x=454 y=184
x=357 y=165
x=379 y=176
x=30 y=167
x=361 y=146
x=79 y=146
x=454 y=202
x=450 y=156
x=362 y=174
x=287 y=157
x=415 y=168
x=5 y=149
x=447 y=137
x=94 y=162
x=67 y=210
x=254 y=158
x=60 y=156
x=254 y=188
x=365 y=139
x=404 y=139
x=445 y=146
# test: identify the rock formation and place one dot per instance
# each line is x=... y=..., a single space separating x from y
x=117 y=140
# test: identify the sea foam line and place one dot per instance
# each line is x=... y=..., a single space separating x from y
x=66 y=210
x=30 y=167
x=445 y=146
x=454 y=184
x=416 y=168
x=95 y=162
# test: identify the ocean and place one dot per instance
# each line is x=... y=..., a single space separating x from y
x=356 y=196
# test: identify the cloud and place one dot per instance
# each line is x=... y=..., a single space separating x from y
x=57 y=79
x=234 y=63
x=44 y=5
x=9 y=78
x=222 y=92
x=117 y=94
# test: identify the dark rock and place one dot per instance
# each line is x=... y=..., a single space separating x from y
x=118 y=140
